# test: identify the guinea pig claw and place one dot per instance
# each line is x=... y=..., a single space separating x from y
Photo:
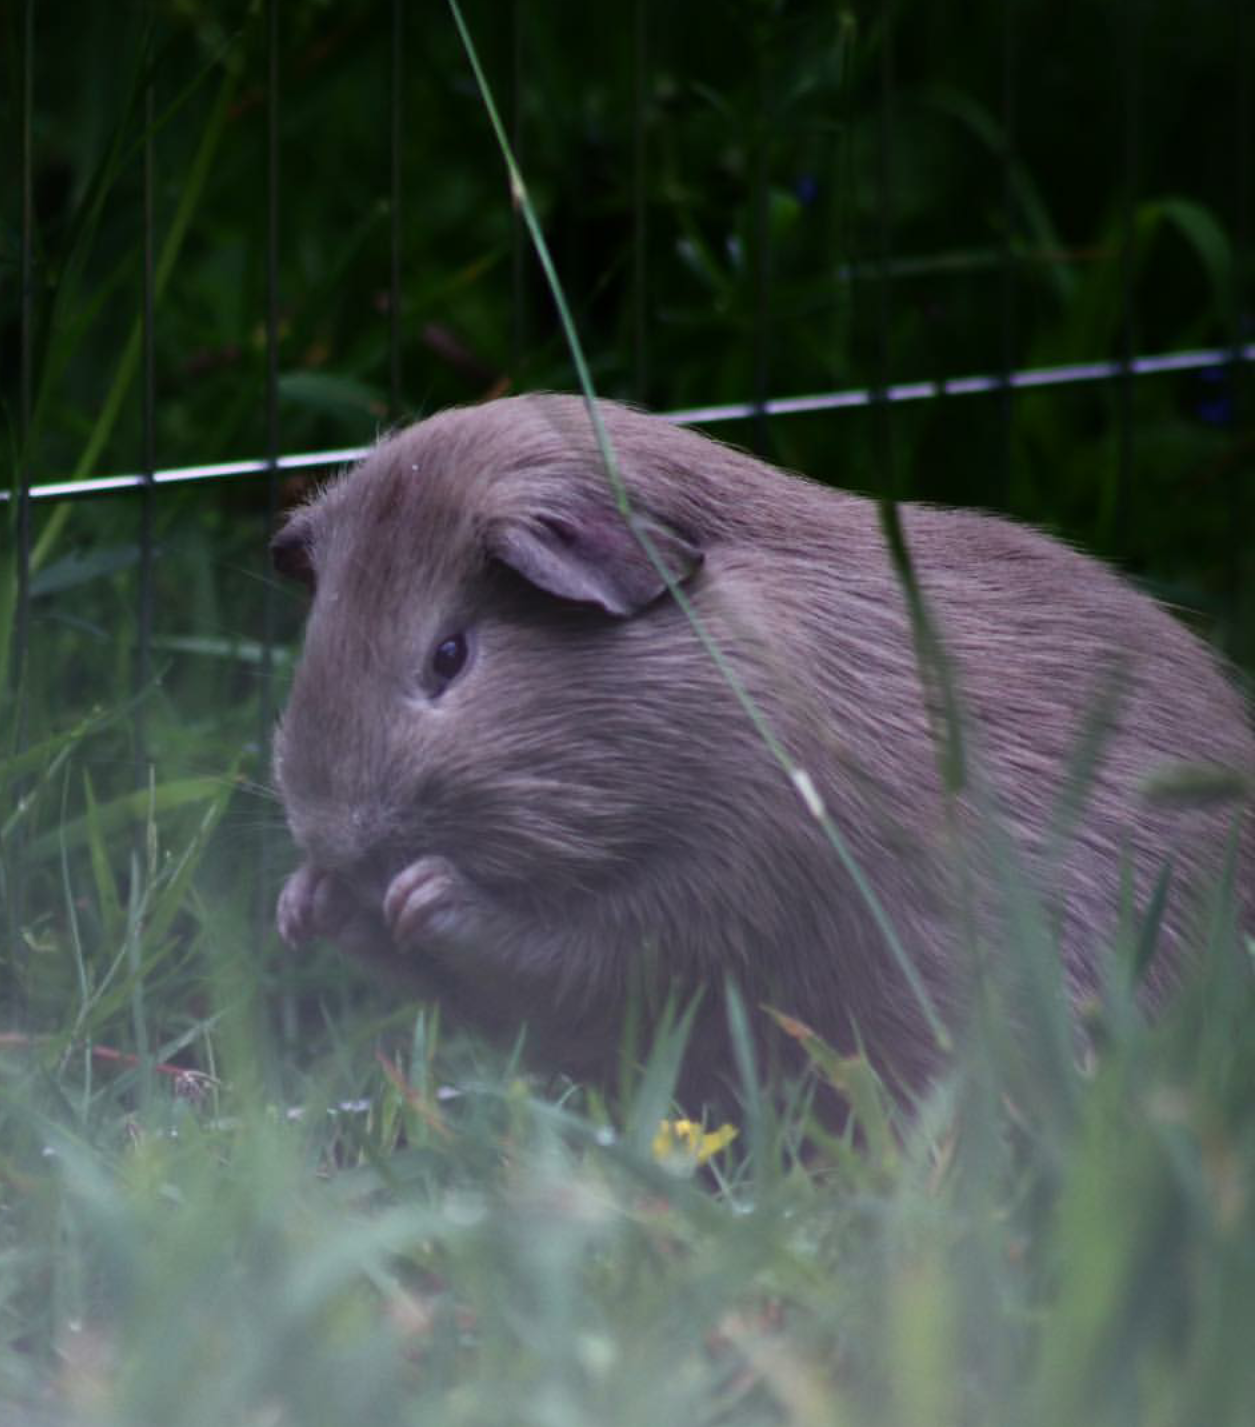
x=310 y=905
x=427 y=903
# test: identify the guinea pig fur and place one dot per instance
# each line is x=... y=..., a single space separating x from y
x=519 y=782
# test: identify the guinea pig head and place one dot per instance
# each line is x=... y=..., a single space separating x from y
x=490 y=668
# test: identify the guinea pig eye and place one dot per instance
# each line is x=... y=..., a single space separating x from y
x=449 y=658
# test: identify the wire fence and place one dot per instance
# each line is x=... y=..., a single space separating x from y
x=1073 y=374
x=872 y=279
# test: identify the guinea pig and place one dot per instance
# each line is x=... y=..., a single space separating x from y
x=519 y=781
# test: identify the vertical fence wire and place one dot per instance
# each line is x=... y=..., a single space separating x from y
x=139 y=1021
x=1129 y=100
x=22 y=533
x=287 y=997
x=518 y=234
x=760 y=205
x=1243 y=120
x=1239 y=375
x=15 y=890
x=883 y=407
x=148 y=408
x=1006 y=394
x=640 y=158
x=272 y=354
x=272 y=349
x=842 y=205
x=394 y=210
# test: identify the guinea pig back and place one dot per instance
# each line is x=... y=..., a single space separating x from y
x=519 y=782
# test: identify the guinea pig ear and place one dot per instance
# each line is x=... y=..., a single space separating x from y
x=290 y=552
x=595 y=558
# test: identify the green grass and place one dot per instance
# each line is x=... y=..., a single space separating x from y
x=303 y=1234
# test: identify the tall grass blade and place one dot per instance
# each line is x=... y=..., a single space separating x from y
x=801 y=781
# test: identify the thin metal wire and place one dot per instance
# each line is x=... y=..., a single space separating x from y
x=1032 y=378
x=640 y=80
x=518 y=235
x=15 y=883
x=884 y=244
x=21 y=613
x=761 y=241
x=394 y=204
x=1070 y=374
x=288 y=1020
x=1240 y=376
x=1244 y=120
x=272 y=353
x=1006 y=399
x=843 y=204
x=148 y=411
x=1130 y=44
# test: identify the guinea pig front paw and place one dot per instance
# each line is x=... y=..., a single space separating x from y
x=430 y=903
x=313 y=903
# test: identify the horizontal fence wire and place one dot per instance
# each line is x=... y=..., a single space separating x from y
x=1033 y=378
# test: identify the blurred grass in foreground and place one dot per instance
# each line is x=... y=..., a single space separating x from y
x=340 y=1233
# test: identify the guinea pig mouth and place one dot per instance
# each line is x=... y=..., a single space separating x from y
x=371 y=876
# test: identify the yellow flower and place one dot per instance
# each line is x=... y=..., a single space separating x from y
x=687 y=1139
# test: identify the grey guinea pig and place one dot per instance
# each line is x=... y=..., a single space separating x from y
x=519 y=782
